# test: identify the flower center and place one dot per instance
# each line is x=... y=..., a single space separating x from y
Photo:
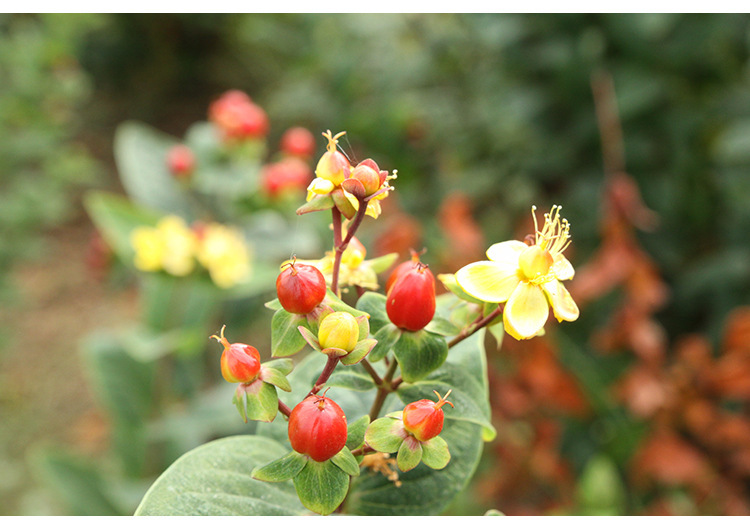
x=555 y=234
x=535 y=263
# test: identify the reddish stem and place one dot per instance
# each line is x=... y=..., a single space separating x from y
x=327 y=371
x=479 y=323
x=284 y=409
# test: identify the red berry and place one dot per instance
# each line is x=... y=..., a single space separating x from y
x=300 y=288
x=317 y=428
x=287 y=174
x=298 y=141
x=424 y=418
x=411 y=300
x=240 y=363
x=238 y=117
x=181 y=161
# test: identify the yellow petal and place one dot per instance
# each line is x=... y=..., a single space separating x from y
x=562 y=268
x=563 y=305
x=506 y=252
x=488 y=281
x=526 y=311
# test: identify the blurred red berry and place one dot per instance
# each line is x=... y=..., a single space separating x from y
x=298 y=141
x=181 y=161
x=237 y=117
x=289 y=174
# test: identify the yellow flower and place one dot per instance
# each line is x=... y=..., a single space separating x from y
x=168 y=246
x=526 y=278
x=224 y=253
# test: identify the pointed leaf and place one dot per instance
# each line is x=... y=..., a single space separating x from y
x=321 y=486
x=382 y=263
x=386 y=337
x=419 y=353
x=346 y=462
x=374 y=304
x=261 y=401
x=360 y=351
x=356 y=432
x=409 y=454
x=442 y=327
x=275 y=377
x=435 y=453
x=284 y=366
x=285 y=338
x=281 y=469
x=385 y=434
x=310 y=338
x=321 y=202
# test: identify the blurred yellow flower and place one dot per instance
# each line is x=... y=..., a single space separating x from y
x=526 y=278
x=223 y=252
x=169 y=246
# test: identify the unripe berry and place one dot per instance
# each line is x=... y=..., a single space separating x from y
x=317 y=428
x=339 y=330
x=410 y=304
x=424 y=418
x=332 y=165
x=181 y=161
x=300 y=288
x=298 y=141
x=240 y=363
x=368 y=177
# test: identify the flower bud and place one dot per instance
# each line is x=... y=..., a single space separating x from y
x=339 y=330
x=240 y=363
x=369 y=177
x=424 y=418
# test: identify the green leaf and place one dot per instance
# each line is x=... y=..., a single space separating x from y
x=321 y=486
x=337 y=305
x=275 y=377
x=435 y=453
x=419 y=353
x=361 y=350
x=442 y=327
x=346 y=462
x=260 y=400
x=115 y=217
x=281 y=469
x=374 y=304
x=215 y=479
x=141 y=154
x=356 y=432
x=321 y=202
x=385 y=434
x=310 y=338
x=351 y=379
x=285 y=336
x=409 y=454
x=284 y=366
x=273 y=304
x=387 y=337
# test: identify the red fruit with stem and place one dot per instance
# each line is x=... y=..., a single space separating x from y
x=403 y=268
x=424 y=418
x=298 y=141
x=300 y=287
x=410 y=304
x=317 y=428
x=240 y=363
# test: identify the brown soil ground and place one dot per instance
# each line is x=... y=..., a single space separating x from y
x=45 y=398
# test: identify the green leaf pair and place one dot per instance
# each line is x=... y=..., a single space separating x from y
x=258 y=399
x=321 y=486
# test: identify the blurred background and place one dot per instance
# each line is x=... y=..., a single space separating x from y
x=639 y=125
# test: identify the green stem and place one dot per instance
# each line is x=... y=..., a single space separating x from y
x=371 y=371
x=384 y=390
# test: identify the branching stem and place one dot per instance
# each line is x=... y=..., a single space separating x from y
x=480 y=322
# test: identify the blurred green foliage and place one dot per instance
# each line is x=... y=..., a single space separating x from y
x=498 y=106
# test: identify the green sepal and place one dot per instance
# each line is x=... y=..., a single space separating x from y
x=450 y=283
x=257 y=401
x=334 y=352
x=355 y=435
x=343 y=204
x=316 y=316
x=386 y=337
x=380 y=264
x=274 y=305
x=285 y=366
x=435 y=453
x=346 y=462
x=442 y=327
x=281 y=469
x=385 y=434
x=374 y=304
x=363 y=326
x=320 y=202
x=285 y=339
x=275 y=377
x=360 y=351
x=419 y=353
x=321 y=486
x=409 y=454
x=310 y=338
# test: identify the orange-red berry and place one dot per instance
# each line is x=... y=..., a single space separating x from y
x=424 y=418
x=410 y=304
x=317 y=428
x=300 y=288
